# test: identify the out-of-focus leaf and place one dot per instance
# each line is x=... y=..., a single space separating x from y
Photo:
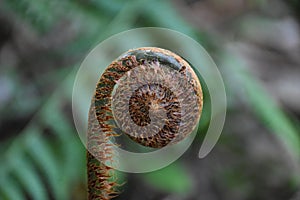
x=25 y=172
x=173 y=178
x=166 y=16
x=10 y=190
x=263 y=105
x=42 y=155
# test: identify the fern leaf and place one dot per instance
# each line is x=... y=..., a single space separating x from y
x=25 y=172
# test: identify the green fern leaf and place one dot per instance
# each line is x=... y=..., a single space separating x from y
x=10 y=189
x=26 y=173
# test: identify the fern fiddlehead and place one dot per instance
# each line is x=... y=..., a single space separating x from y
x=150 y=94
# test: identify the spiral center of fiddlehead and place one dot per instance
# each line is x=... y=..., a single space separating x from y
x=156 y=102
x=152 y=98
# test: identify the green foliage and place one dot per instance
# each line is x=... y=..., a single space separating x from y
x=173 y=178
x=35 y=12
x=40 y=167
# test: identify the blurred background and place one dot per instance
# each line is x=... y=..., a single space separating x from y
x=255 y=44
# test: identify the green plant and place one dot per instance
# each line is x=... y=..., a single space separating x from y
x=38 y=162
